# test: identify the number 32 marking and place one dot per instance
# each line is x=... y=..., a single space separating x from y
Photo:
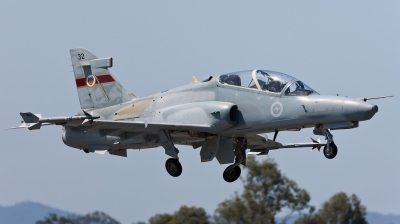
x=81 y=56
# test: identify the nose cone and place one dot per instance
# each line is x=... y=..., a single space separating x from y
x=374 y=110
x=368 y=111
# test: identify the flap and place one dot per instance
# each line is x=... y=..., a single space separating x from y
x=118 y=127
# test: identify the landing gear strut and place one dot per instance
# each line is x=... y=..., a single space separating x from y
x=233 y=171
x=172 y=165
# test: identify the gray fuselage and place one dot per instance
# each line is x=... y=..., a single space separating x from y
x=257 y=112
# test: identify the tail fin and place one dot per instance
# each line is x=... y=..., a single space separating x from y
x=97 y=88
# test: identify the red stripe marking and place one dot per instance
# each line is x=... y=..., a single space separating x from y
x=80 y=82
x=105 y=78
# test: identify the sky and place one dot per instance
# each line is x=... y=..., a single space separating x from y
x=350 y=48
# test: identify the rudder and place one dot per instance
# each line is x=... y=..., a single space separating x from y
x=97 y=88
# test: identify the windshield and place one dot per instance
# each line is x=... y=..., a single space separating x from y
x=257 y=79
x=298 y=88
x=268 y=81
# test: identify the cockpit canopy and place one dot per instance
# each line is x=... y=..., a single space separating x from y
x=269 y=81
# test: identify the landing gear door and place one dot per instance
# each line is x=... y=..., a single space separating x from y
x=209 y=149
x=220 y=148
x=225 y=154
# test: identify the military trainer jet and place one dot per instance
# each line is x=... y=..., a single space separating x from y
x=224 y=116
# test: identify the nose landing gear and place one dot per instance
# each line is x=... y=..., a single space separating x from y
x=330 y=149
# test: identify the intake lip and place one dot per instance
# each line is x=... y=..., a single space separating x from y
x=233 y=114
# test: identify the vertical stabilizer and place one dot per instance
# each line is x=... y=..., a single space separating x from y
x=97 y=88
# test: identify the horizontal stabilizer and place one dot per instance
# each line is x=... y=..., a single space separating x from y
x=28 y=117
x=101 y=63
x=30 y=121
x=35 y=126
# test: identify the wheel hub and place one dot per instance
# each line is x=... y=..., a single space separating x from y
x=330 y=151
x=230 y=173
x=172 y=168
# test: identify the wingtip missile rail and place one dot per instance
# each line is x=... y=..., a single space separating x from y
x=35 y=121
x=55 y=120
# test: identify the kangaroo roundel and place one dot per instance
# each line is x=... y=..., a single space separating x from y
x=276 y=109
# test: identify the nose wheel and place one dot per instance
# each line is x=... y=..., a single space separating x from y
x=173 y=167
x=330 y=150
x=232 y=173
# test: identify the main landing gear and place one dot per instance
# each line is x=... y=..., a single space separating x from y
x=232 y=172
x=330 y=149
x=174 y=167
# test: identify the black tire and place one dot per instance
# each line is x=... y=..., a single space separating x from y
x=331 y=152
x=231 y=174
x=173 y=167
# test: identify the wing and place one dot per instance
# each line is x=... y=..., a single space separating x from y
x=90 y=124
x=139 y=125
x=259 y=144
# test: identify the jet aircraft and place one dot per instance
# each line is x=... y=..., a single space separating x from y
x=223 y=115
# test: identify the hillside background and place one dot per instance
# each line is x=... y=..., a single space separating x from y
x=29 y=212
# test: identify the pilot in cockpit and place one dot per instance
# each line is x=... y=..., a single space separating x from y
x=270 y=84
x=273 y=86
x=231 y=80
